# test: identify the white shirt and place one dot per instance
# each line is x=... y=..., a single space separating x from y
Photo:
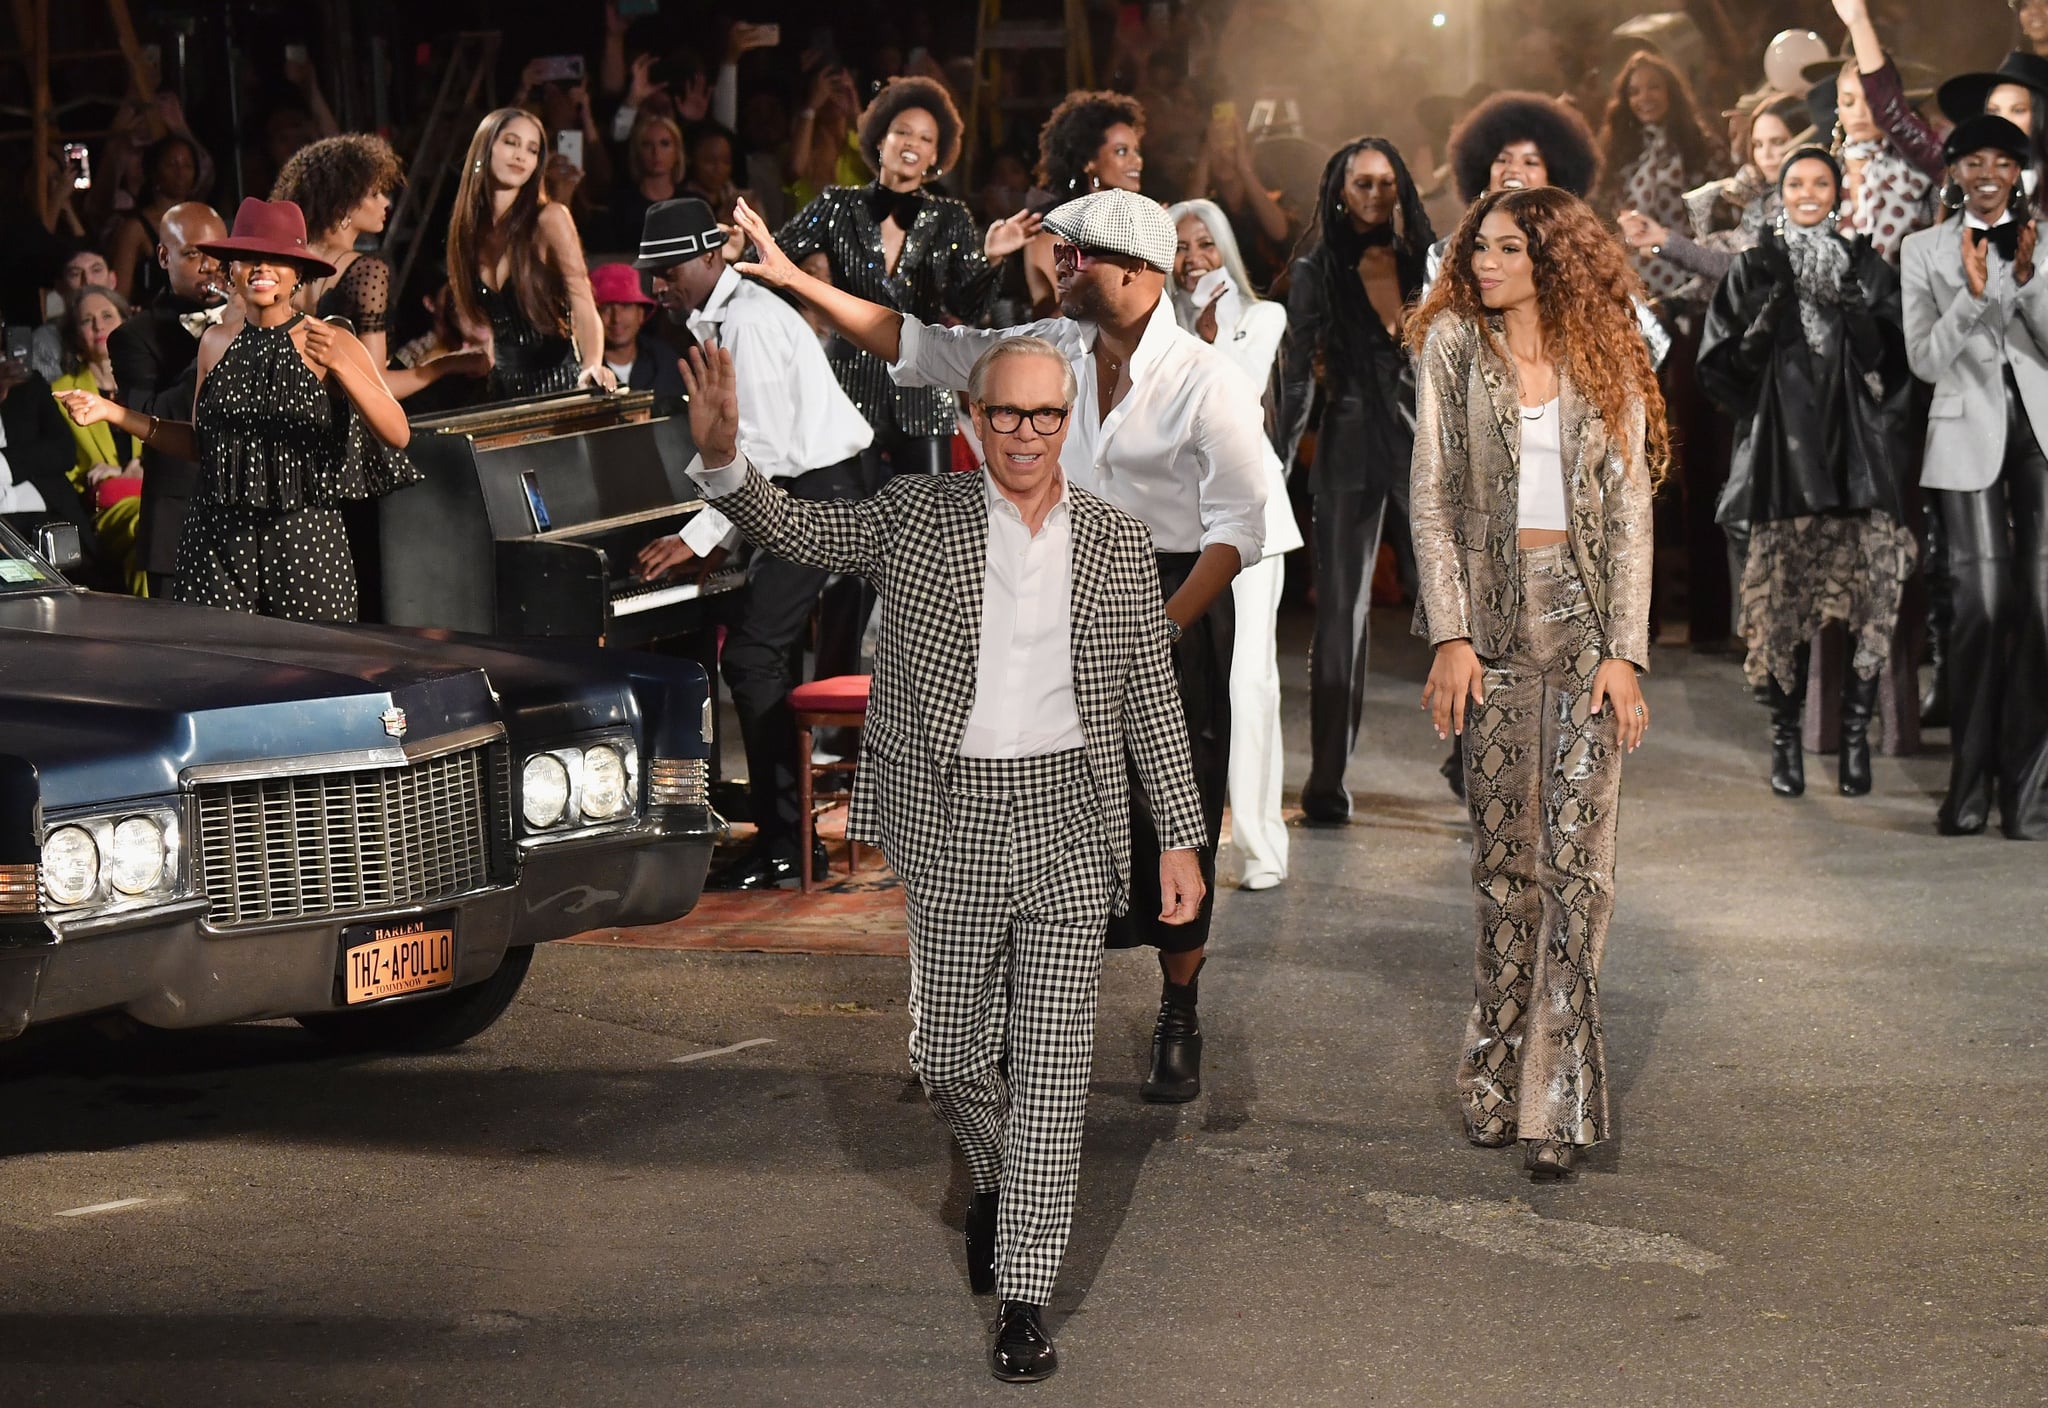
x=16 y=498
x=1181 y=452
x=1249 y=333
x=794 y=417
x=1541 y=484
x=1024 y=668
x=1024 y=672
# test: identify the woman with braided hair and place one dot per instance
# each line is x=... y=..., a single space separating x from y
x=1539 y=439
x=1358 y=273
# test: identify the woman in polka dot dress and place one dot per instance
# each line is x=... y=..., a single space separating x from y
x=291 y=421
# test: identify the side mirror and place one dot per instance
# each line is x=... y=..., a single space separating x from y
x=58 y=544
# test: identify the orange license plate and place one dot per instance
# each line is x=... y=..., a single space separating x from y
x=391 y=960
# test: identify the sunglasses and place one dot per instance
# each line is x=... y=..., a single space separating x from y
x=1071 y=258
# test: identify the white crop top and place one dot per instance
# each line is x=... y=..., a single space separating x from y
x=1542 y=487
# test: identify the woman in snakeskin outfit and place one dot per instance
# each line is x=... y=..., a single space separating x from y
x=1539 y=439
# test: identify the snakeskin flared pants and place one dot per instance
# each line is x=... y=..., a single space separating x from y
x=1543 y=776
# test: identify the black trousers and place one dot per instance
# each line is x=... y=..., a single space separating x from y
x=1346 y=536
x=1998 y=642
x=849 y=602
x=758 y=664
x=1201 y=669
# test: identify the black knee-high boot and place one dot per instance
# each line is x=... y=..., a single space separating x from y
x=1176 y=1075
x=1859 y=704
x=1788 y=714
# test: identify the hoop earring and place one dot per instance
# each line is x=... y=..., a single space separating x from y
x=1952 y=195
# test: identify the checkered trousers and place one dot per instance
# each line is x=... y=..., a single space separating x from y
x=1006 y=930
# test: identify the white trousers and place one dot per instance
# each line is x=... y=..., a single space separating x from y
x=1256 y=754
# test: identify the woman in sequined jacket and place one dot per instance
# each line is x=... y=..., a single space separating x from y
x=896 y=243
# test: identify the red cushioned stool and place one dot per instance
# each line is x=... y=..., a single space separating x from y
x=838 y=702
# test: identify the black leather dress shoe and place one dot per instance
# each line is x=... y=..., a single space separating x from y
x=981 y=1244
x=753 y=871
x=1022 y=1352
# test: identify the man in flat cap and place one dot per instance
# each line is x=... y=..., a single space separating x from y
x=799 y=428
x=1166 y=429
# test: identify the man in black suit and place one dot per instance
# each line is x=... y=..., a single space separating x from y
x=155 y=356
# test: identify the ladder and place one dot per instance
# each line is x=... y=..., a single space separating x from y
x=988 y=108
x=32 y=33
x=468 y=90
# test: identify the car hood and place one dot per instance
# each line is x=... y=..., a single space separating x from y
x=113 y=698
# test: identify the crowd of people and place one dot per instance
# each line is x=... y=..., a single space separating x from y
x=1576 y=375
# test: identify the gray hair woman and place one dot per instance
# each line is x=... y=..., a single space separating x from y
x=1214 y=299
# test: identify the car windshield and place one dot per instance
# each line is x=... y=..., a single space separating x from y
x=22 y=568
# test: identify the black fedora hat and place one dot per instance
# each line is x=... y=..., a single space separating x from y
x=676 y=230
x=1964 y=95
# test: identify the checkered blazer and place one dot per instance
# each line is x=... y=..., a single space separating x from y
x=923 y=543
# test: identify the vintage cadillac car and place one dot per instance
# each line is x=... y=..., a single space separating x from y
x=208 y=817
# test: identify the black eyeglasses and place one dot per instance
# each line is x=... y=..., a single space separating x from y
x=1005 y=420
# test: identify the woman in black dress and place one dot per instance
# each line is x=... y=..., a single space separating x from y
x=915 y=250
x=344 y=186
x=291 y=421
x=514 y=262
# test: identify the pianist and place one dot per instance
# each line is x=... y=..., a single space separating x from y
x=798 y=428
x=640 y=360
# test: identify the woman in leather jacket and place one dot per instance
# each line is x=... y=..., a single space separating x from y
x=1804 y=348
x=1349 y=290
x=1539 y=438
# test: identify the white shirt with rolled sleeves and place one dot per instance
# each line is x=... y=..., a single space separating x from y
x=794 y=417
x=1180 y=453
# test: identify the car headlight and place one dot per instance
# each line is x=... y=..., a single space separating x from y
x=71 y=865
x=135 y=856
x=543 y=790
x=604 y=784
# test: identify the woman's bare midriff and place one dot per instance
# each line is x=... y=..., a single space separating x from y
x=1540 y=537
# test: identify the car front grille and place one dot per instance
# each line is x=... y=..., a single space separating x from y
x=279 y=848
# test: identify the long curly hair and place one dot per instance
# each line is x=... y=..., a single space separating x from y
x=535 y=283
x=1074 y=133
x=331 y=177
x=1557 y=130
x=1584 y=297
x=898 y=96
x=1621 y=131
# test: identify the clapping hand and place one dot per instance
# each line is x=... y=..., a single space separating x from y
x=1006 y=237
x=1976 y=262
x=2023 y=254
x=1205 y=321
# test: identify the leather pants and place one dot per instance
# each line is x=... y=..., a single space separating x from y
x=1346 y=535
x=1998 y=641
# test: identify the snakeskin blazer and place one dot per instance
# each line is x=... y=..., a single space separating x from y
x=1465 y=488
x=922 y=541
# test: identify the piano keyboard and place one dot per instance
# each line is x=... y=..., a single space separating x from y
x=631 y=601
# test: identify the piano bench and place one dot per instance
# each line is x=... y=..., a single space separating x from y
x=838 y=702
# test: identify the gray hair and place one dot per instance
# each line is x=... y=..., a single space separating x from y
x=1022 y=346
x=1211 y=215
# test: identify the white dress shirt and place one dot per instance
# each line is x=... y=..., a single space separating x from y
x=16 y=498
x=1024 y=672
x=794 y=417
x=1180 y=453
x=1249 y=333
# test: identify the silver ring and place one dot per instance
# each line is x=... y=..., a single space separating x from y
x=1639 y=711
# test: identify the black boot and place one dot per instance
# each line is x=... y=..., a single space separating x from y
x=981 y=1243
x=1859 y=703
x=1788 y=717
x=1176 y=1075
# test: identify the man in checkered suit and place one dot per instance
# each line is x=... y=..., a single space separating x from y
x=1024 y=653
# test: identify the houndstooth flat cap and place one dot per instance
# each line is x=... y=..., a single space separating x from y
x=1116 y=222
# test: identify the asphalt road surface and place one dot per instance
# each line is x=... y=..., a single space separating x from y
x=1826 y=1051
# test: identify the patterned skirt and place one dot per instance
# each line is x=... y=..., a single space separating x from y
x=1803 y=573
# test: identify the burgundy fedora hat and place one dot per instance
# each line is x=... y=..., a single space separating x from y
x=269 y=227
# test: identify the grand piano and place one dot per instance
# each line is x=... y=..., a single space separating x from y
x=531 y=516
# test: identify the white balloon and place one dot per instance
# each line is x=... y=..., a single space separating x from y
x=1790 y=53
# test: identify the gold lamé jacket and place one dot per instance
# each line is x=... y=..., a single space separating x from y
x=1464 y=483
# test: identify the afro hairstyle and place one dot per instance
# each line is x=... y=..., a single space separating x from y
x=1557 y=130
x=898 y=96
x=1074 y=133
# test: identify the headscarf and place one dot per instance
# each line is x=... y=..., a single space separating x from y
x=1820 y=257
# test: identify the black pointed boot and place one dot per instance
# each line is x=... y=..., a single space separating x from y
x=1788 y=717
x=1859 y=704
x=1176 y=1075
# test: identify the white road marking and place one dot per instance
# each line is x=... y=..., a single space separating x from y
x=90 y=1208
x=721 y=1050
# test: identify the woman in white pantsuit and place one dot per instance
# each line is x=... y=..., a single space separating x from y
x=1214 y=299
